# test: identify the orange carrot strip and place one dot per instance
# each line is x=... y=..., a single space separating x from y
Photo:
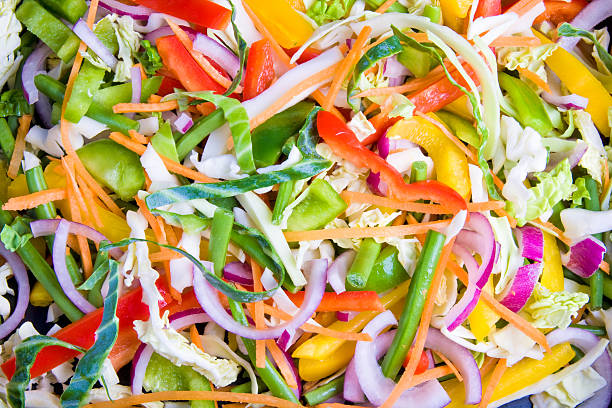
x=551 y=228
x=195 y=395
x=163 y=256
x=522 y=6
x=320 y=98
x=98 y=190
x=171 y=165
x=374 y=44
x=486 y=206
x=145 y=107
x=371 y=108
x=154 y=98
x=487 y=366
x=71 y=179
x=604 y=266
x=260 y=345
x=20 y=143
x=76 y=217
x=431 y=374
x=364 y=198
x=515 y=41
x=195 y=338
x=345 y=66
x=138 y=138
x=33 y=200
x=90 y=199
x=368 y=232
x=282 y=363
x=496 y=376
x=450 y=365
x=534 y=78
x=385 y=6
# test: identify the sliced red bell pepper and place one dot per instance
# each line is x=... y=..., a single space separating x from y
x=352 y=301
x=259 y=72
x=307 y=55
x=82 y=332
x=345 y=144
x=183 y=67
x=422 y=365
x=488 y=8
x=202 y=12
x=168 y=85
x=558 y=12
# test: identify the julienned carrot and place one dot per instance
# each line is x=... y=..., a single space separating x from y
x=137 y=137
x=164 y=256
x=90 y=199
x=371 y=232
x=145 y=107
x=522 y=6
x=33 y=200
x=364 y=198
x=357 y=301
x=171 y=165
x=20 y=144
x=530 y=75
x=195 y=338
x=345 y=66
x=496 y=376
x=450 y=365
x=385 y=6
x=260 y=323
x=71 y=182
x=551 y=228
x=281 y=362
x=604 y=266
x=431 y=374
x=195 y=395
x=516 y=41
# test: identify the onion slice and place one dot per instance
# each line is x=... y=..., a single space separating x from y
x=117 y=7
x=23 y=292
x=595 y=12
x=531 y=242
x=336 y=273
x=33 y=65
x=517 y=293
x=238 y=272
x=225 y=58
x=82 y=31
x=139 y=367
x=584 y=257
x=183 y=123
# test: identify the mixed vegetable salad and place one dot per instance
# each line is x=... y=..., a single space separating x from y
x=295 y=203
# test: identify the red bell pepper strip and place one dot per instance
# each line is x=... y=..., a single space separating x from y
x=202 y=12
x=488 y=8
x=357 y=301
x=82 y=332
x=182 y=66
x=307 y=55
x=345 y=144
x=259 y=72
x=168 y=85
x=422 y=365
x=558 y=12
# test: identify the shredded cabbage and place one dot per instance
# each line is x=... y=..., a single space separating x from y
x=531 y=58
x=554 y=309
x=10 y=28
x=129 y=43
x=571 y=391
x=5 y=273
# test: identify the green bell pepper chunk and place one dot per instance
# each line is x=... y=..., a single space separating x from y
x=387 y=271
x=112 y=95
x=49 y=29
x=417 y=61
x=163 y=142
x=269 y=137
x=462 y=128
x=70 y=10
x=320 y=205
x=200 y=131
x=528 y=105
x=395 y=7
x=114 y=166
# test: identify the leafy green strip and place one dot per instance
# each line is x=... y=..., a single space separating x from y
x=482 y=128
x=242 y=52
x=98 y=274
x=308 y=135
x=89 y=368
x=387 y=48
x=236 y=116
x=566 y=30
x=304 y=169
x=227 y=289
x=13 y=103
x=149 y=58
x=25 y=355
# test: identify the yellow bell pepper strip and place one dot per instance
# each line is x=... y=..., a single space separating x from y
x=552 y=274
x=579 y=80
x=449 y=161
x=322 y=347
x=524 y=373
x=285 y=24
x=483 y=318
x=314 y=370
x=454 y=11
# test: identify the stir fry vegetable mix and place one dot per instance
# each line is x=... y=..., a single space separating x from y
x=305 y=203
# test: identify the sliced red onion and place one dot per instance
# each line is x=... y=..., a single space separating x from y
x=376 y=185
x=393 y=68
x=43 y=110
x=345 y=316
x=136 y=84
x=573 y=156
x=386 y=146
x=183 y=123
x=166 y=31
x=238 y=272
x=117 y=7
x=531 y=242
x=336 y=273
x=462 y=309
x=349 y=42
x=516 y=294
x=594 y=13
x=23 y=292
x=584 y=257
x=566 y=102
x=139 y=367
x=377 y=387
x=88 y=37
x=33 y=66
x=478 y=236
x=207 y=297
x=397 y=81
x=186 y=318
x=297 y=391
x=286 y=339
x=224 y=57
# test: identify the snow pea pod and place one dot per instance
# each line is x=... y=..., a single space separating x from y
x=112 y=95
x=387 y=271
x=71 y=10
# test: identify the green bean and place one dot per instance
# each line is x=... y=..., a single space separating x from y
x=35 y=180
x=285 y=191
x=220 y=232
x=597 y=330
x=415 y=301
x=359 y=272
x=7 y=139
x=198 y=132
x=418 y=172
x=246 y=387
x=325 y=392
x=43 y=273
x=596 y=280
x=268 y=374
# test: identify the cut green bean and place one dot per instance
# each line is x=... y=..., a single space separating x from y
x=325 y=392
x=285 y=191
x=7 y=139
x=246 y=387
x=596 y=280
x=415 y=302
x=418 y=172
x=359 y=272
x=220 y=232
x=198 y=132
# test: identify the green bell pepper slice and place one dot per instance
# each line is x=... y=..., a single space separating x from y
x=387 y=271
x=462 y=128
x=70 y=10
x=112 y=95
x=320 y=205
x=163 y=142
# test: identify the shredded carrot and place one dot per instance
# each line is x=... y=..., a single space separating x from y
x=137 y=137
x=371 y=108
x=365 y=198
x=604 y=266
x=155 y=98
x=522 y=6
x=90 y=199
x=195 y=395
x=368 y=232
x=68 y=166
x=320 y=98
x=171 y=165
x=145 y=107
x=449 y=365
x=486 y=206
x=20 y=143
x=258 y=316
x=76 y=217
x=431 y=374
x=496 y=376
x=33 y=200
x=579 y=315
x=195 y=338
x=374 y=44
x=399 y=220
x=516 y=41
x=487 y=366
x=282 y=363
x=606 y=182
x=534 y=78
x=385 y=6
x=551 y=228
x=164 y=256
x=318 y=78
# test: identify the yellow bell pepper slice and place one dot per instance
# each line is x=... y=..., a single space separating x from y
x=524 y=373
x=461 y=107
x=552 y=273
x=286 y=25
x=449 y=161
x=39 y=296
x=483 y=318
x=454 y=11
x=322 y=347
x=17 y=187
x=314 y=370
x=579 y=80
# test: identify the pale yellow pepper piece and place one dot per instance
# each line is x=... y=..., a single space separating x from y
x=314 y=370
x=483 y=318
x=552 y=273
x=579 y=80
x=39 y=296
x=17 y=187
x=524 y=373
x=288 y=27
x=461 y=107
x=454 y=12
x=450 y=162
x=322 y=347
